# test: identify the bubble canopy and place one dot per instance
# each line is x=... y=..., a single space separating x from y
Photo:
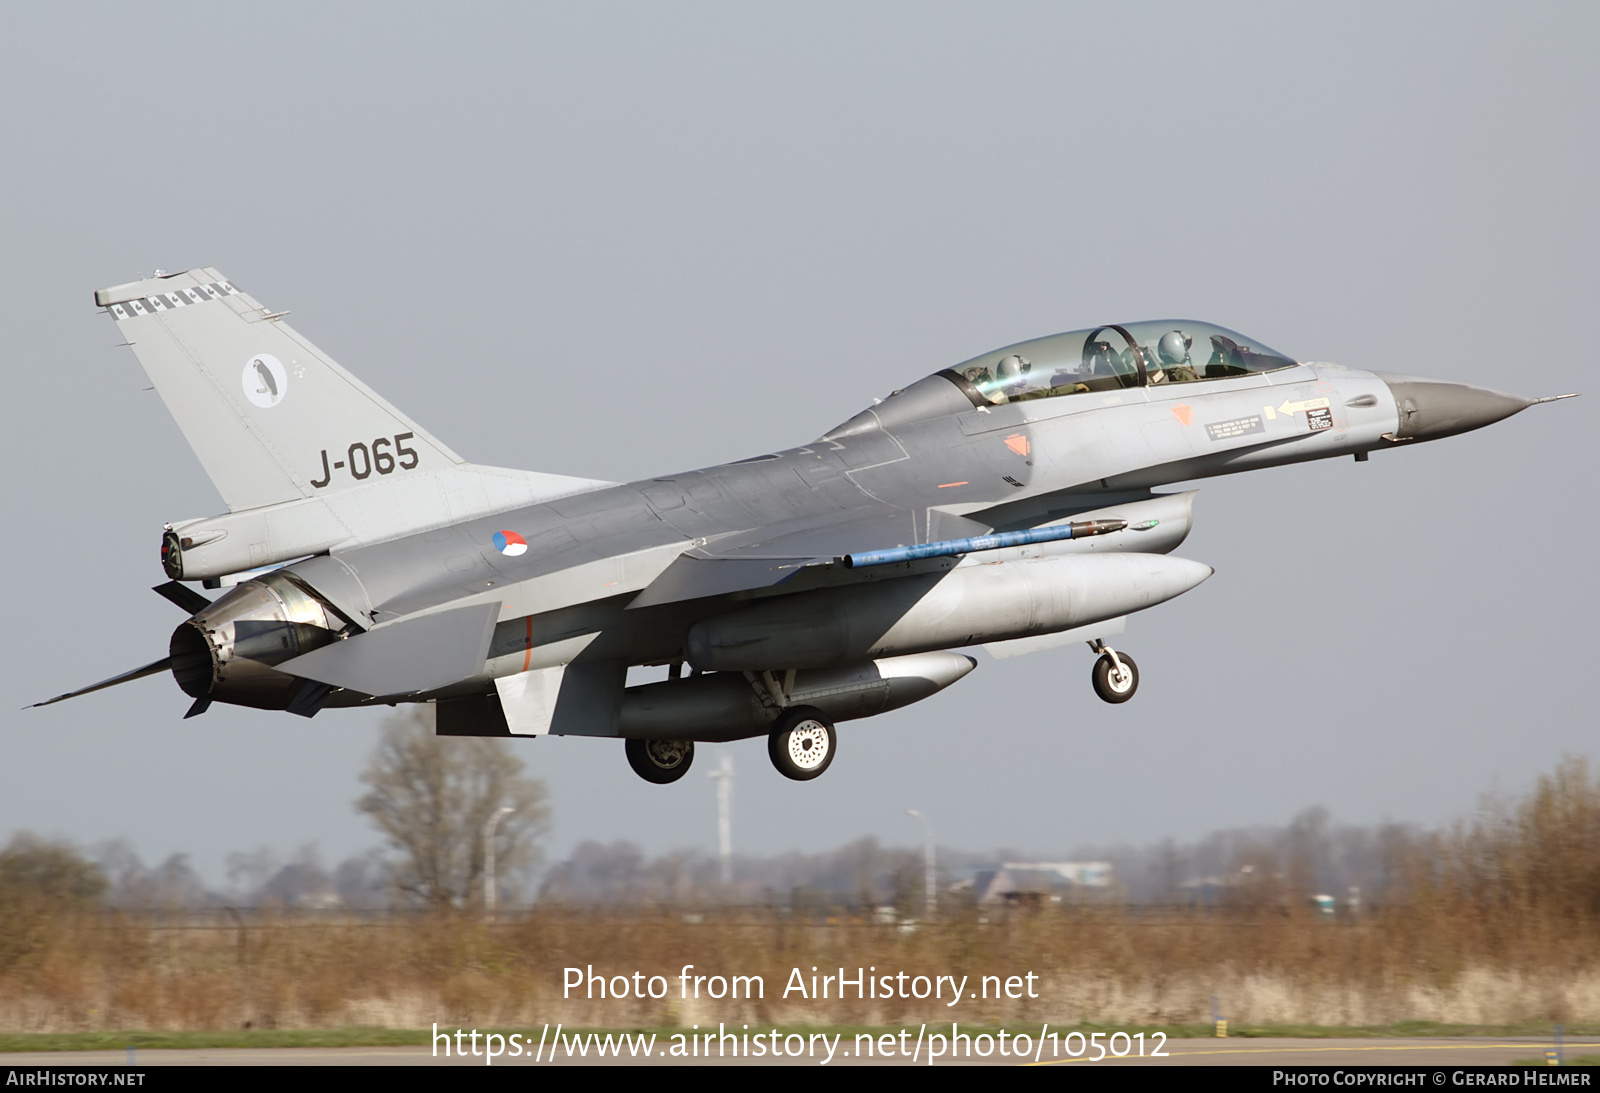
x=1114 y=356
x=1106 y=358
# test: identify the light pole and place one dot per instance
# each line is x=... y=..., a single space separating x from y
x=930 y=890
x=724 y=777
x=488 y=858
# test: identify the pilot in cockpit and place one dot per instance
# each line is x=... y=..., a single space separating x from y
x=1012 y=372
x=981 y=378
x=1172 y=355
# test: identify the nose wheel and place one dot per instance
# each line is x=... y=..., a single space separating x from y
x=1115 y=676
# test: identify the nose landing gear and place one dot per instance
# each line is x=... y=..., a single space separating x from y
x=1116 y=676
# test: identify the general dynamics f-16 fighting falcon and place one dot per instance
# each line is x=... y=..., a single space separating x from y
x=1005 y=502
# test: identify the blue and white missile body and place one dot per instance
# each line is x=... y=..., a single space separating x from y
x=950 y=548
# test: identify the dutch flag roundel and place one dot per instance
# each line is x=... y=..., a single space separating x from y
x=510 y=543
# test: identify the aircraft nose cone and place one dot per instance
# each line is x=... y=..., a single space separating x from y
x=1430 y=409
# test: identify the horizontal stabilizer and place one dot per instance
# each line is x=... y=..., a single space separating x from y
x=404 y=657
x=126 y=677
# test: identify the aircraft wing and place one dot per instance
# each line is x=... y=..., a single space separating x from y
x=771 y=556
x=690 y=577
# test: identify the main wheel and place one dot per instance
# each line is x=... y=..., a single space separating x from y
x=1114 y=686
x=660 y=761
x=802 y=744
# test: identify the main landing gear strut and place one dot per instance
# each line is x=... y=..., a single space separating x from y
x=802 y=741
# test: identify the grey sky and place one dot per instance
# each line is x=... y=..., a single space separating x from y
x=621 y=240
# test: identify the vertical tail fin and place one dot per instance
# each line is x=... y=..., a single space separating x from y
x=271 y=417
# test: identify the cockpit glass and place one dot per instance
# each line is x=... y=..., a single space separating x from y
x=1112 y=357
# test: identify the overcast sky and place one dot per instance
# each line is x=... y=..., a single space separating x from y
x=622 y=240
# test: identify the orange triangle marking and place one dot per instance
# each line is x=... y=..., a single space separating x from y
x=1017 y=443
x=1184 y=413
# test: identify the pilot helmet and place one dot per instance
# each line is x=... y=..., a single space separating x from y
x=1173 y=348
x=1010 y=369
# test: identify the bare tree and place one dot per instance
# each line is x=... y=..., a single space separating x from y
x=431 y=796
x=134 y=886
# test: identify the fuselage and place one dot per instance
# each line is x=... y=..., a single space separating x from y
x=1004 y=466
x=1004 y=501
x=969 y=450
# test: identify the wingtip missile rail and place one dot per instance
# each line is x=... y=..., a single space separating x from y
x=947 y=548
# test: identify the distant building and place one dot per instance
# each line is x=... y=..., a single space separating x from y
x=1206 y=890
x=1028 y=882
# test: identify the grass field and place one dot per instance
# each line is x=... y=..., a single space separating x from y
x=1107 y=967
x=1493 y=926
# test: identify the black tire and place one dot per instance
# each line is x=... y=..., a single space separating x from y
x=1109 y=689
x=802 y=744
x=660 y=761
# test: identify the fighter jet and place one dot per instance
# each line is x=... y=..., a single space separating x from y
x=1009 y=501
